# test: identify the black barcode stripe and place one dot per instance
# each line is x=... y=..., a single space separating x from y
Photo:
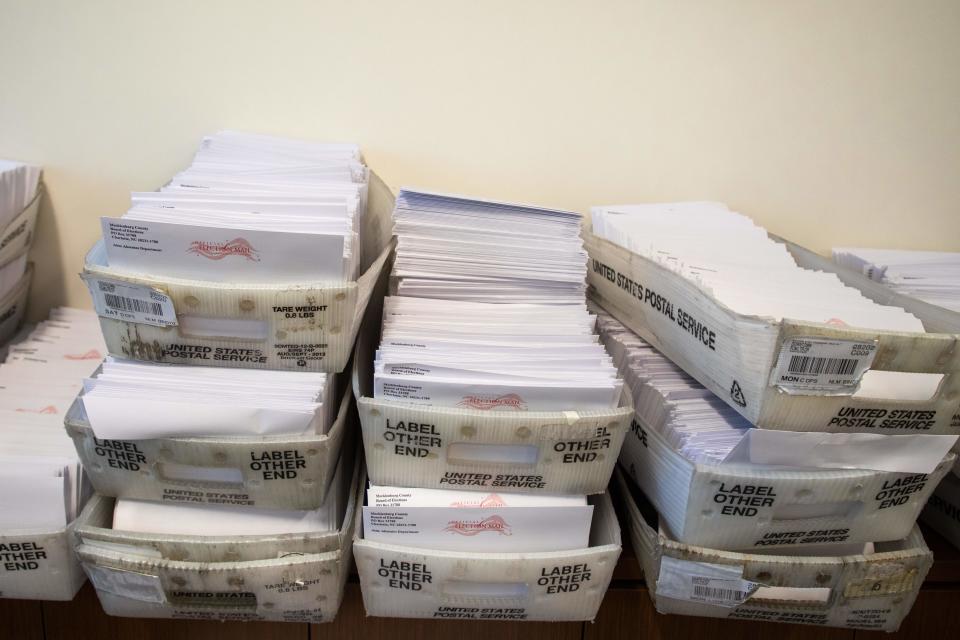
x=716 y=593
x=133 y=305
x=816 y=366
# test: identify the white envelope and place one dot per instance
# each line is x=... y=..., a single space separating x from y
x=476 y=521
x=224 y=255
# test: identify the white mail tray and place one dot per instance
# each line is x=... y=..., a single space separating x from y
x=449 y=448
x=755 y=507
x=39 y=565
x=722 y=349
x=273 y=472
x=304 y=327
x=872 y=592
x=298 y=587
x=406 y=582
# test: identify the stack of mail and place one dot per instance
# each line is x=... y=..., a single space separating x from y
x=475 y=521
x=507 y=357
x=695 y=423
x=460 y=248
x=250 y=209
x=931 y=276
x=41 y=483
x=129 y=400
x=18 y=188
x=736 y=262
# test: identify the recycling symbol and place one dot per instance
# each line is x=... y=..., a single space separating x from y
x=736 y=393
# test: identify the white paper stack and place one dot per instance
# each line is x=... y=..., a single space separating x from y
x=477 y=522
x=695 y=423
x=498 y=357
x=736 y=262
x=251 y=209
x=459 y=248
x=931 y=276
x=18 y=187
x=131 y=400
x=41 y=483
x=490 y=311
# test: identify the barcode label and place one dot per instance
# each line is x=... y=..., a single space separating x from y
x=816 y=366
x=131 y=302
x=702 y=592
x=822 y=365
x=707 y=583
x=133 y=305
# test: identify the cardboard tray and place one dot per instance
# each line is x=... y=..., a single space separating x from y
x=620 y=281
x=407 y=582
x=94 y=528
x=448 y=448
x=287 y=587
x=273 y=472
x=18 y=235
x=855 y=591
x=39 y=565
x=744 y=506
x=942 y=512
x=13 y=306
x=318 y=338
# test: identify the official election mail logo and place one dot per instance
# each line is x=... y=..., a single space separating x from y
x=494 y=524
x=220 y=250
x=508 y=402
x=491 y=501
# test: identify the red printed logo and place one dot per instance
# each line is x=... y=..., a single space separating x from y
x=508 y=402
x=93 y=354
x=47 y=410
x=220 y=250
x=475 y=527
x=492 y=501
x=836 y=322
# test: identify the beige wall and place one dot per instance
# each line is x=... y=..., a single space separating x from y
x=829 y=121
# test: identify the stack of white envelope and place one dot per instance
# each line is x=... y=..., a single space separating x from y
x=19 y=183
x=735 y=260
x=18 y=187
x=931 y=276
x=252 y=209
x=508 y=357
x=41 y=485
x=695 y=422
x=490 y=311
x=459 y=248
x=475 y=521
x=131 y=400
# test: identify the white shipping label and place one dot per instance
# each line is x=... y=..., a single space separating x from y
x=131 y=302
x=717 y=584
x=128 y=584
x=811 y=365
